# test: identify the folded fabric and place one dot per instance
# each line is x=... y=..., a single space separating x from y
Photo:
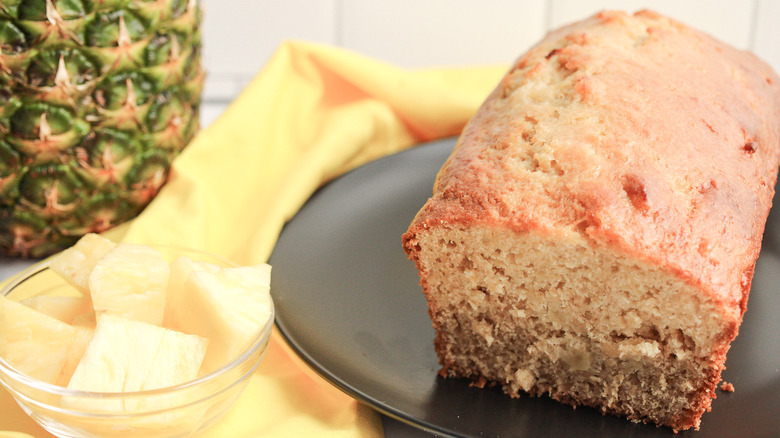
x=311 y=114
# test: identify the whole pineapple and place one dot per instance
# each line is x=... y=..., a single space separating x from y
x=96 y=98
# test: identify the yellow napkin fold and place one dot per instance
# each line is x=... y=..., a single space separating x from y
x=312 y=113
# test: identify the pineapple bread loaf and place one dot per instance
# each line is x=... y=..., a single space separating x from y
x=593 y=235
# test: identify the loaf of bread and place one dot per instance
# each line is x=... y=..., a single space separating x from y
x=593 y=235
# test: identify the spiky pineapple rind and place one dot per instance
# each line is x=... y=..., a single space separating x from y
x=76 y=75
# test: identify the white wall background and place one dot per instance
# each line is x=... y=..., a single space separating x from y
x=241 y=35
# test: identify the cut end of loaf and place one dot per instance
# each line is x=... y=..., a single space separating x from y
x=584 y=325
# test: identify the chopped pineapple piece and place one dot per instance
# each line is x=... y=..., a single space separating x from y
x=130 y=281
x=177 y=361
x=126 y=355
x=75 y=353
x=176 y=294
x=33 y=343
x=86 y=319
x=229 y=307
x=65 y=309
x=76 y=263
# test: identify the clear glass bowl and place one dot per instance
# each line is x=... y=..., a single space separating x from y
x=177 y=411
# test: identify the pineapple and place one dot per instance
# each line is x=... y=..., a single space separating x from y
x=228 y=306
x=63 y=308
x=140 y=324
x=33 y=343
x=76 y=263
x=130 y=281
x=81 y=340
x=126 y=356
x=96 y=99
x=176 y=293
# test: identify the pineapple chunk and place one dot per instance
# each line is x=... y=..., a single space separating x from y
x=32 y=342
x=130 y=281
x=176 y=294
x=228 y=307
x=76 y=263
x=86 y=320
x=65 y=309
x=126 y=355
x=178 y=360
x=75 y=353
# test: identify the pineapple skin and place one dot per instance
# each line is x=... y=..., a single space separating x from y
x=97 y=97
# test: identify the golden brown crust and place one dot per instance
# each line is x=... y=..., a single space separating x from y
x=663 y=142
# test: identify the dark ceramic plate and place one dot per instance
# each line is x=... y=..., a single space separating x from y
x=348 y=301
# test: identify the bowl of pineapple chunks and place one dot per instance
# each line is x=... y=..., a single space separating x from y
x=107 y=339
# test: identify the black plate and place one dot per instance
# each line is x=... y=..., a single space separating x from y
x=348 y=301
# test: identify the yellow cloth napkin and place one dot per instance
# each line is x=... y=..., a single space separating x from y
x=312 y=113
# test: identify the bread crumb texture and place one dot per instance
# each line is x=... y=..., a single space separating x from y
x=593 y=235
